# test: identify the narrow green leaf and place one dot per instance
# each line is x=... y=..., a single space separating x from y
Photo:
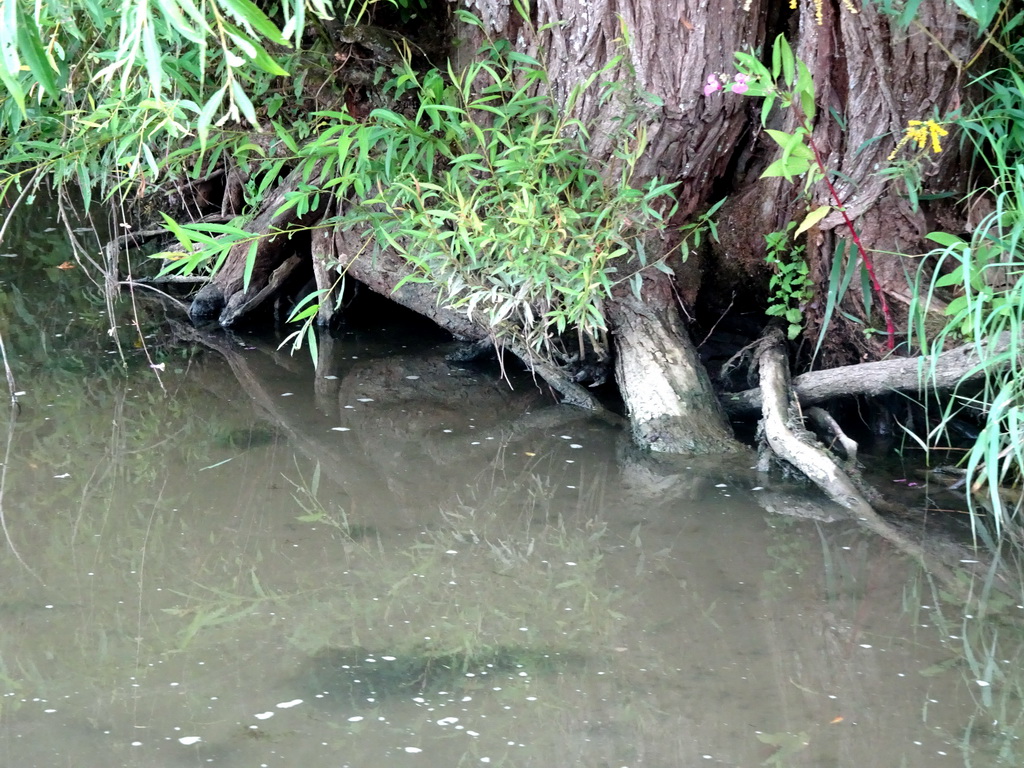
x=206 y=115
x=250 y=262
x=151 y=51
x=242 y=101
x=247 y=14
x=945 y=239
x=31 y=48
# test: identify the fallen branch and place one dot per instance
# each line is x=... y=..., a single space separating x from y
x=944 y=371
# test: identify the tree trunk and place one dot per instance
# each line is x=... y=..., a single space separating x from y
x=671 y=404
x=868 y=73
x=667 y=51
x=871 y=78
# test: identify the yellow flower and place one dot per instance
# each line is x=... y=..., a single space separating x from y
x=923 y=133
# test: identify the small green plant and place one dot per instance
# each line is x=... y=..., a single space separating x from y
x=790 y=286
x=789 y=83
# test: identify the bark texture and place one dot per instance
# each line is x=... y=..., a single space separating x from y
x=668 y=50
x=871 y=78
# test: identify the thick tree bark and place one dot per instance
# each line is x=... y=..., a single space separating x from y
x=871 y=77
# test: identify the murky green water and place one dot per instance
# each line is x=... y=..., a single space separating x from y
x=395 y=560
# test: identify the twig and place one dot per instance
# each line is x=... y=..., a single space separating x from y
x=11 y=386
x=869 y=265
x=7 y=459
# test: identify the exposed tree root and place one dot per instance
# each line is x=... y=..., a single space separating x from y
x=778 y=409
x=382 y=270
x=226 y=297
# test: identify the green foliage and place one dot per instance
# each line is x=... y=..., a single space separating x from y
x=790 y=285
x=115 y=95
x=789 y=84
x=487 y=189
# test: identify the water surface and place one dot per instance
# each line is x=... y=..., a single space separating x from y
x=215 y=554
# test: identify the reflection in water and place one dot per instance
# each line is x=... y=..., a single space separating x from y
x=398 y=559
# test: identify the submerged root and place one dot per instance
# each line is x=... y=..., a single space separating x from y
x=780 y=426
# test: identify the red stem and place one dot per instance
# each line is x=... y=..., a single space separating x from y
x=890 y=329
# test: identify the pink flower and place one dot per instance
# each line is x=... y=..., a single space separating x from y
x=712 y=85
x=740 y=85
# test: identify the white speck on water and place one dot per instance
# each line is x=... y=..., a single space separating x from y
x=446 y=430
x=340 y=429
x=451 y=551
x=136 y=743
x=289 y=704
x=968 y=561
x=448 y=721
x=531 y=698
x=331 y=378
x=485 y=759
x=355 y=718
x=365 y=399
x=475 y=442
x=570 y=461
x=573 y=487
x=287 y=394
x=721 y=485
x=566 y=437
x=575 y=445
x=61 y=477
x=865 y=645
x=412 y=378
x=757 y=488
x=983 y=683
x=49 y=711
x=263 y=715
x=569 y=562
x=388 y=658
x=187 y=740
x=413 y=750
x=350 y=407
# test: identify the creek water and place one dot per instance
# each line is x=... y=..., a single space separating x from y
x=217 y=554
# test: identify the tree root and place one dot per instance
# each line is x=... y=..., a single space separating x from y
x=778 y=409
